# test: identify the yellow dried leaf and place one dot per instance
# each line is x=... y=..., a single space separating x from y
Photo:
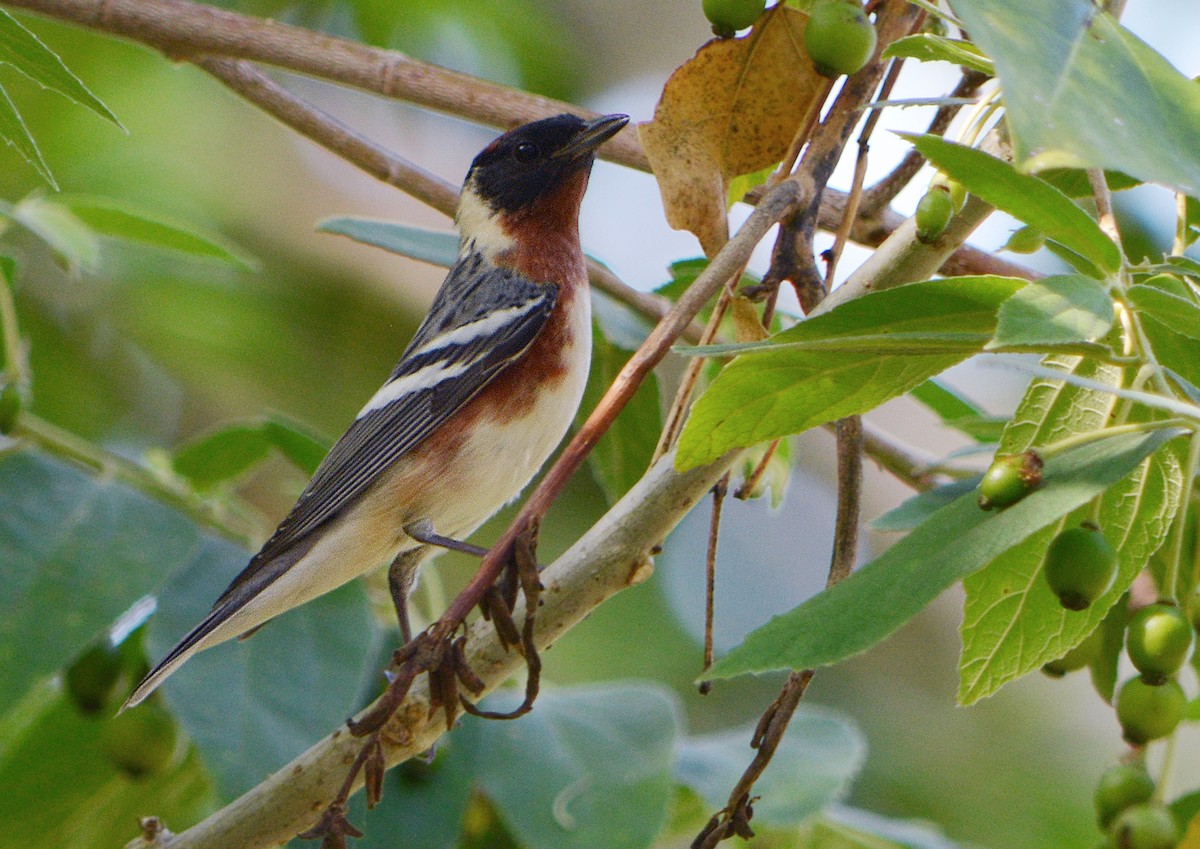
x=731 y=109
x=747 y=326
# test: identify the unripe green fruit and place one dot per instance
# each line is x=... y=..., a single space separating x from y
x=1121 y=787
x=1080 y=566
x=1158 y=641
x=1027 y=240
x=1009 y=479
x=1076 y=658
x=1145 y=826
x=839 y=38
x=729 y=16
x=958 y=192
x=141 y=742
x=1148 y=712
x=92 y=679
x=934 y=211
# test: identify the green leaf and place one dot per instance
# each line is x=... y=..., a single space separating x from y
x=1178 y=314
x=1055 y=310
x=1074 y=182
x=1082 y=91
x=73 y=242
x=787 y=389
x=852 y=828
x=253 y=705
x=120 y=221
x=75 y=553
x=232 y=450
x=434 y=247
x=304 y=448
x=820 y=755
x=958 y=412
x=222 y=455
x=1029 y=199
x=872 y=603
x=1103 y=668
x=14 y=131
x=926 y=47
x=61 y=791
x=24 y=51
x=913 y=511
x=594 y=765
x=1012 y=623
x=623 y=454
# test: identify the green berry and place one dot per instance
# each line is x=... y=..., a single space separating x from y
x=1148 y=712
x=1009 y=479
x=1121 y=787
x=91 y=681
x=1027 y=240
x=1077 y=658
x=839 y=38
x=958 y=192
x=1158 y=641
x=1146 y=826
x=934 y=211
x=729 y=16
x=142 y=741
x=1080 y=566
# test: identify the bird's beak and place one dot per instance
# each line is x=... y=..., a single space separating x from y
x=594 y=133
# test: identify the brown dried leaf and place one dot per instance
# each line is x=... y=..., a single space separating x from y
x=747 y=326
x=731 y=109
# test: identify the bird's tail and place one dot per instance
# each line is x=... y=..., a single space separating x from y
x=192 y=642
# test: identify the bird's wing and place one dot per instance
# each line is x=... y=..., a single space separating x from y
x=482 y=319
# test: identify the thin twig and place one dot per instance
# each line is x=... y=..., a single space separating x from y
x=1104 y=208
x=710 y=574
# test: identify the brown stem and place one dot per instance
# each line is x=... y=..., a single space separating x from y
x=710 y=574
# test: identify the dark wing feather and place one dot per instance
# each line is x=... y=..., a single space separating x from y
x=473 y=291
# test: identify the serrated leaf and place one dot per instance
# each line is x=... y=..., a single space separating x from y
x=926 y=47
x=14 y=132
x=1012 y=623
x=1029 y=199
x=786 y=389
x=820 y=755
x=1178 y=314
x=1055 y=310
x=73 y=242
x=24 y=51
x=954 y=542
x=731 y=109
x=75 y=553
x=432 y=246
x=595 y=766
x=118 y=220
x=1082 y=91
x=623 y=454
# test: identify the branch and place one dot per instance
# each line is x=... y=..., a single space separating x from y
x=612 y=556
x=189 y=31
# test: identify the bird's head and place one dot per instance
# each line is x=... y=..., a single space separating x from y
x=538 y=170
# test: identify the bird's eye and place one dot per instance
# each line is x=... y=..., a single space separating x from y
x=526 y=152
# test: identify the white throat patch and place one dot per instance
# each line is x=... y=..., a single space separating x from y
x=479 y=224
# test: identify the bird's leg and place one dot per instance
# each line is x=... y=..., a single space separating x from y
x=401 y=575
x=422 y=531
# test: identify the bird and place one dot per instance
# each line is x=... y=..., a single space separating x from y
x=480 y=398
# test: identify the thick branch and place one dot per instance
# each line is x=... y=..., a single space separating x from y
x=613 y=555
